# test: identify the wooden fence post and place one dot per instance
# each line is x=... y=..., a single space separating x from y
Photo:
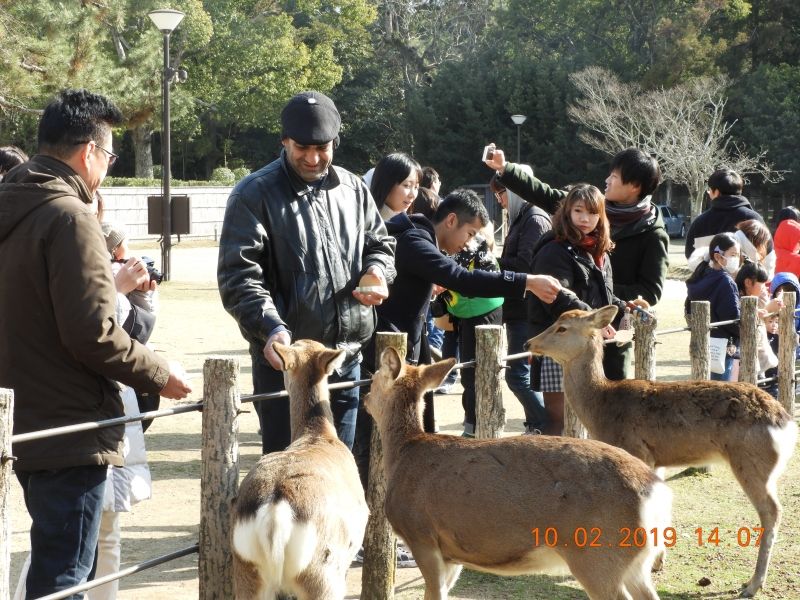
x=748 y=340
x=699 y=323
x=787 y=344
x=6 y=427
x=490 y=416
x=377 y=574
x=219 y=475
x=644 y=347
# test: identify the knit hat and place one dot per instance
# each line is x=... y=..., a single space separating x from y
x=114 y=235
x=311 y=118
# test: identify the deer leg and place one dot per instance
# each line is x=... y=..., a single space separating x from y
x=436 y=573
x=638 y=582
x=753 y=478
x=600 y=576
x=247 y=582
x=453 y=571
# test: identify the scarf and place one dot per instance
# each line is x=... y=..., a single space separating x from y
x=620 y=215
x=589 y=244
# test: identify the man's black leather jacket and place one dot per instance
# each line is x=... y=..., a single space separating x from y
x=291 y=254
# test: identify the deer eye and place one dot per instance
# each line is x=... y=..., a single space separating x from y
x=561 y=330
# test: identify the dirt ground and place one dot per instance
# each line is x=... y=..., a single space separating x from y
x=192 y=326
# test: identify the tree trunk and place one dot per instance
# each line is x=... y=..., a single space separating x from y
x=219 y=475
x=378 y=572
x=143 y=151
x=697 y=194
x=6 y=427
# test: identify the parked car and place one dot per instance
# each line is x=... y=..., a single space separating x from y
x=675 y=223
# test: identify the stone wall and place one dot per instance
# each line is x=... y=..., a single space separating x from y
x=127 y=206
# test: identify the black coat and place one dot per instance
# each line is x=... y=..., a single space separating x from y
x=523 y=235
x=587 y=285
x=420 y=264
x=723 y=215
x=290 y=256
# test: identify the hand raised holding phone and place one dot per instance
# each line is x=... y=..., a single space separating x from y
x=494 y=158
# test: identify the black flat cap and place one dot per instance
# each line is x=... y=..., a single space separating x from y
x=310 y=118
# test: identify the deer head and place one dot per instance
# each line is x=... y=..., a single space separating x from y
x=311 y=358
x=396 y=385
x=566 y=339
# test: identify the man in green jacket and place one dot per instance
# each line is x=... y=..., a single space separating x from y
x=61 y=349
x=640 y=258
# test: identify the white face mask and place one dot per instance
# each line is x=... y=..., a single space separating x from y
x=731 y=265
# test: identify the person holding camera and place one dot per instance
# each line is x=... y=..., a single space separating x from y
x=641 y=257
x=61 y=348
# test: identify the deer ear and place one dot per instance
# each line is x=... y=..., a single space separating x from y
x=603 y=316
x=333 y=359
x=391 y=362
x=435 y=374
x=286 y=354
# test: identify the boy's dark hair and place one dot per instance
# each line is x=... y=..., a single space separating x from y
x=726 y=181
x=637 y=166
x=75 y=117
x=787 y=212
x=753 y=271
x=495 y=185
x=10 y=157
x=466 y=205
x=425 y=203
x=429 y=177
x=392 y=169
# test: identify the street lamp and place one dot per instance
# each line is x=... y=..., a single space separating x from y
x=166 y=20
x=518 y=121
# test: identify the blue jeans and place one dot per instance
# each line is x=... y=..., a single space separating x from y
x=65 y=506
x=435 y=335
x=518 y=376
x=726 y=376
x=273 y=415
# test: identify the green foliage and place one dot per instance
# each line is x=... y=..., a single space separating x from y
x=766 y=104
x=240 y=173
x=223 y=175
x=144 y=182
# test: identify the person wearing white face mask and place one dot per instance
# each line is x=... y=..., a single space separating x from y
x=713 y=280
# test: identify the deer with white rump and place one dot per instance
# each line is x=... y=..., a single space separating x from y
x=481 y=503
x=677 y=423
x=300 y=514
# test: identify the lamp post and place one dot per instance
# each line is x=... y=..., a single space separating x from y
x=518 y=121
x=166 y=20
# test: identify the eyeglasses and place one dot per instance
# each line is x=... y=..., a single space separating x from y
x=499 y=195
x=112 y=158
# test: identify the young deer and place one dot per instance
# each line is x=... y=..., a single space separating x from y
x=491 y=504
x=676 y=423
x=300 y=514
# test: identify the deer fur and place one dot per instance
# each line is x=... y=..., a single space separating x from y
x=459 y=501
x=300 y=514
x=677 y=423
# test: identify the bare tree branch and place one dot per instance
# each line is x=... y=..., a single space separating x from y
x=683 y=127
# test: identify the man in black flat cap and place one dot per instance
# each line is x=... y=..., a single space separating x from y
x=297 y=238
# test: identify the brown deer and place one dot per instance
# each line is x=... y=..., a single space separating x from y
x=677 y=423
x=300 y=514
x=490 y=505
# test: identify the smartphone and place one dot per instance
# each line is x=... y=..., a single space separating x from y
x=488 y=152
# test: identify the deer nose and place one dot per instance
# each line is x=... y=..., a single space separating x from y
x=527 y=346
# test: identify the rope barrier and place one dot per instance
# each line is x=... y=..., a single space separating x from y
x=148 y=564
x=67 y=429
